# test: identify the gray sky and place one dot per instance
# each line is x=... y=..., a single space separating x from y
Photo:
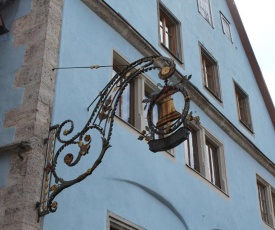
x=259 y=21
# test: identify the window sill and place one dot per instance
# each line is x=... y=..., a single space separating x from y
x=267 y=226
x=210 y=23
x=179 y=60
x=170 y=153
x=231 y=41
x=249 y=129
x=213 y=94
x=209 y=182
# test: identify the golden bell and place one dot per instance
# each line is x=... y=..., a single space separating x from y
x=168 y=113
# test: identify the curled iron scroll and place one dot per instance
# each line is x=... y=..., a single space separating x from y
x=62 y=138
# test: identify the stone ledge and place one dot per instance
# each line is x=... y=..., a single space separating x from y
x=19 y=147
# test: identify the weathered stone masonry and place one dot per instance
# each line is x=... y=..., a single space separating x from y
x=39 y=31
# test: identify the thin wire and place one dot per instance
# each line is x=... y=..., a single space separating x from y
x=87 y=67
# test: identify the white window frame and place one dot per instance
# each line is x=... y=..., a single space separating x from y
x=204 y=8
x=142 y=82
x=139 y=121
x=120 y=223
x=268 y=192
x=196 y=128
x=139 y=85
x=117 y=58
x=226 y=28
x=202 y=134
x=221 y=159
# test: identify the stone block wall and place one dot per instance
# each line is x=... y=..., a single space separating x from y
x=39 y=32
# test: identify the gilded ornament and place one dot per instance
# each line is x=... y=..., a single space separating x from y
x=53 y=188
x=48 y=168
x=196 y=119
x=87 y=137
x=187 y=98
x=102 y=116
x=68 y=158
x=108 y=101
x=165 y=70
x=65 y=132
x=54 y=205
x=94 y=67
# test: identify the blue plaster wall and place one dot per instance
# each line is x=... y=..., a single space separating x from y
x=155 y=191
x=232 y=60
x=11 y=59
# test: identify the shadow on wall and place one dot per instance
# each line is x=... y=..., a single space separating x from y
x=158 y=197
x=4 y=169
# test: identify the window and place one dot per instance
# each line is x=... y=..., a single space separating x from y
x=213 y=161
x=263 y=201
x=210 y=74
x=273 y=202
x=243 y=107
x=130 y=108
x=169 y=32
x=226 y=28
x=115 y=222
x=191 y=149
x=205 y=10
x=125 y=109
x=205 y=154
x=266 y=197
x=147 y=92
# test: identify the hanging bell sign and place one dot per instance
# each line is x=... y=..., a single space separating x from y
x=169 y=131
x=168 y=113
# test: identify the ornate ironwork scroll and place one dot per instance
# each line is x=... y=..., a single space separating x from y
x=101 y=121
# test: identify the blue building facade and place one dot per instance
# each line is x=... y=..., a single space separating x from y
x=222 y=177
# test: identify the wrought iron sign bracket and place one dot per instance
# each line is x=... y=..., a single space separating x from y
x=170 y=129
